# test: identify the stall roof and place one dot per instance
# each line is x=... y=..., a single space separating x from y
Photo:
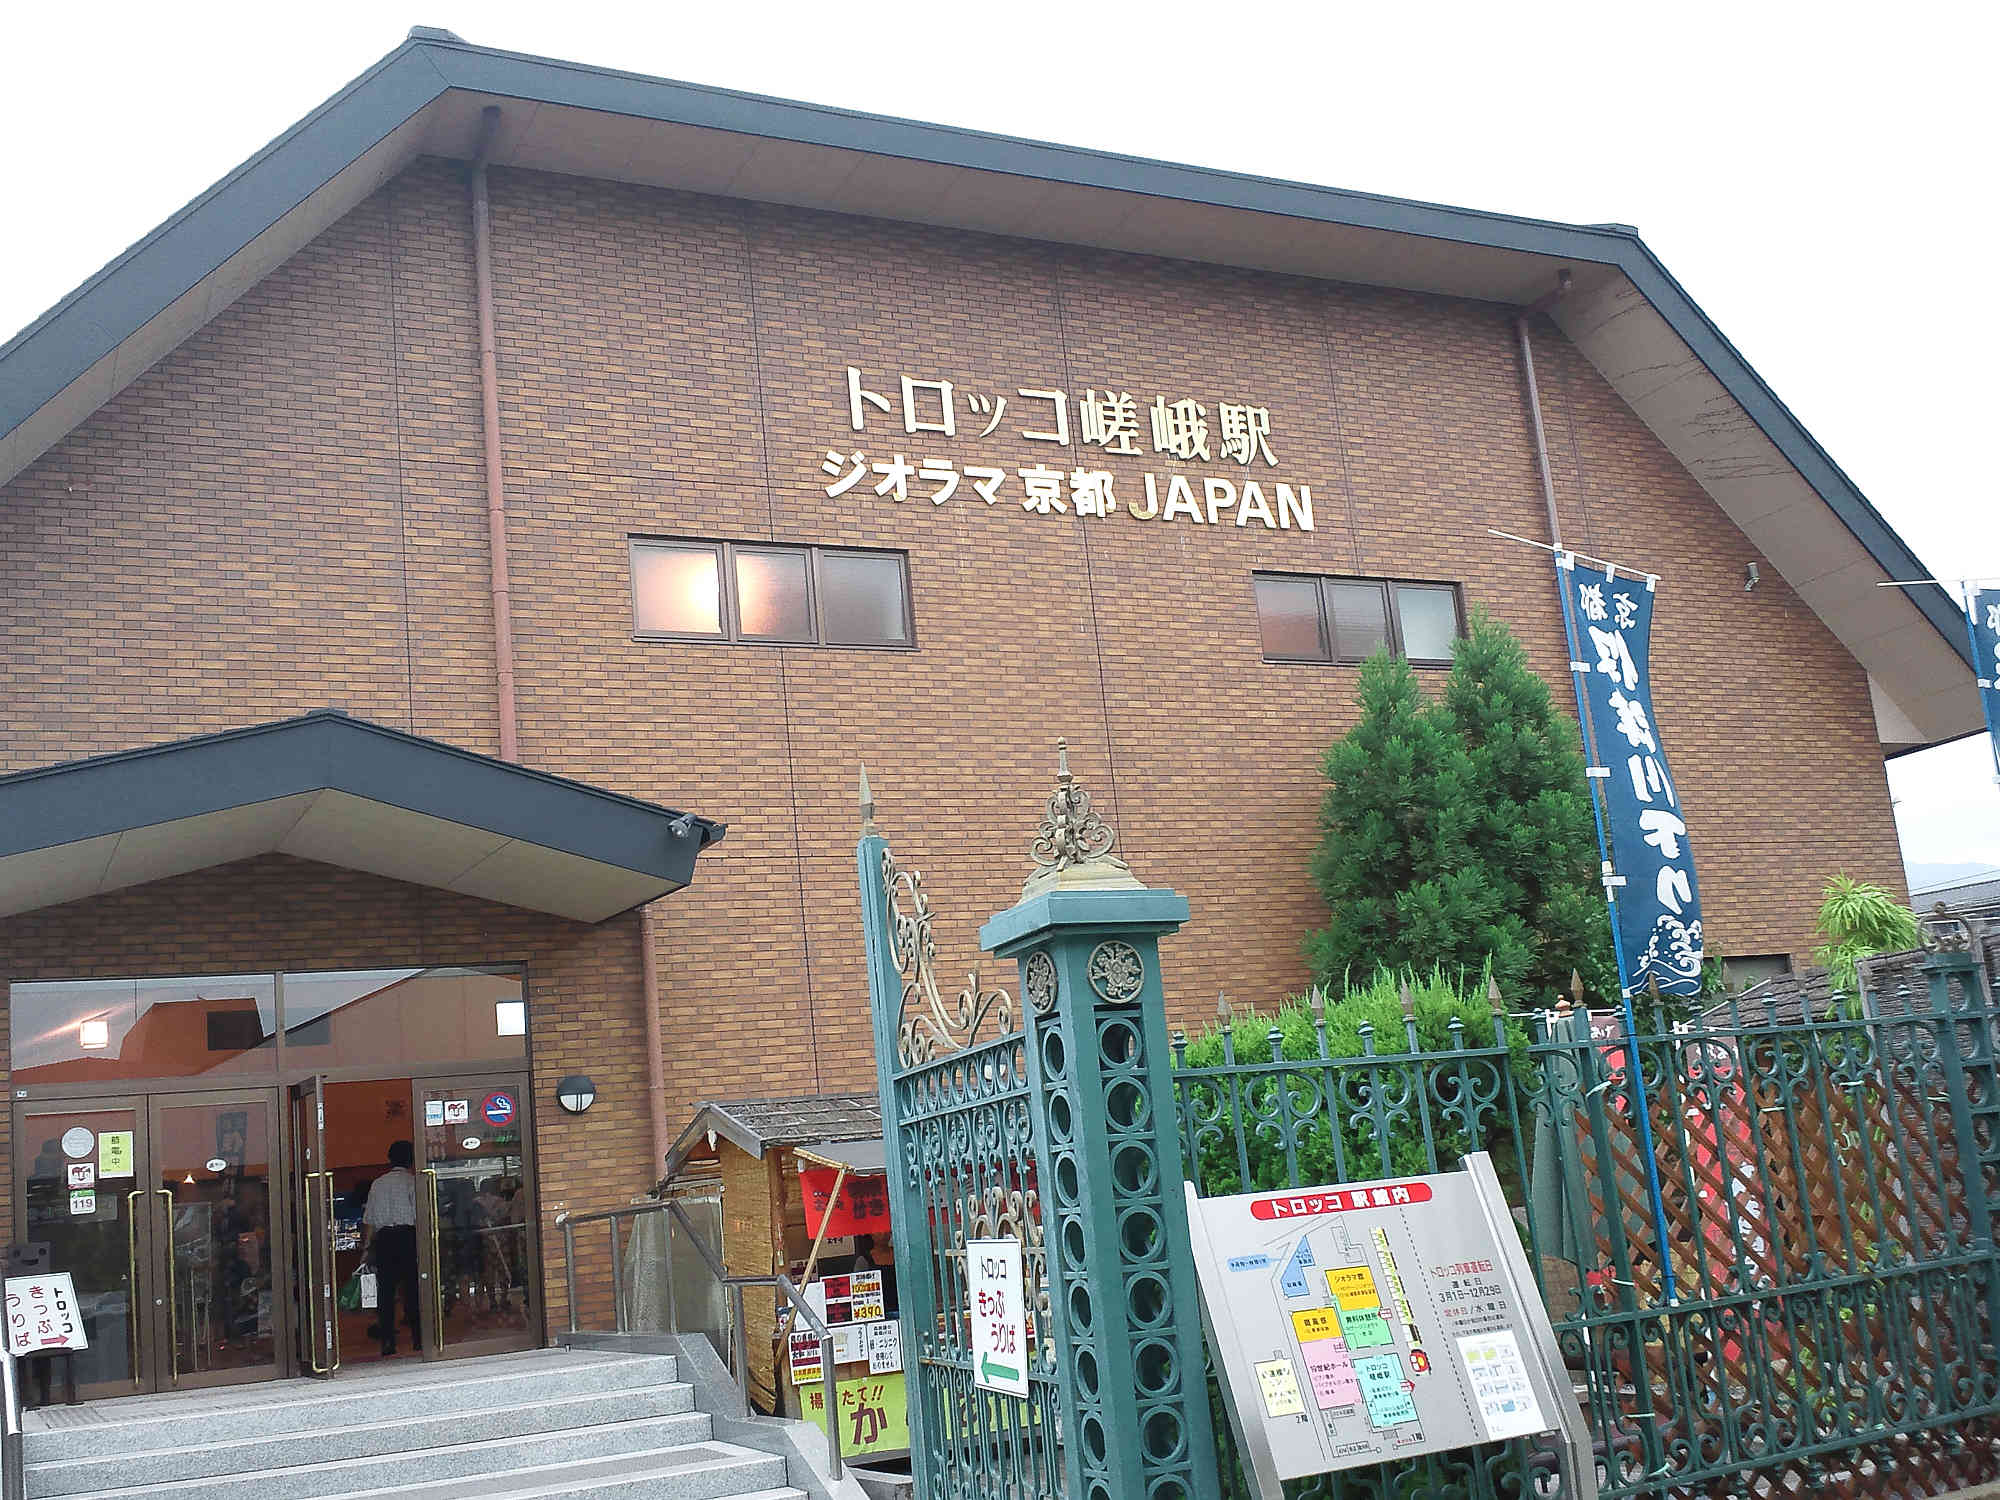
x=868 y=1158
x=347 y=792
x=758 y=1125
x=1626 y=313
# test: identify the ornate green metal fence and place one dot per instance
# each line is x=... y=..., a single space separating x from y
x=1057 y=1132
x=1830 y=1188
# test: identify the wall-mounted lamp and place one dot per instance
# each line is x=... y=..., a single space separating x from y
x=1751 y=577
x=576 y=1093
x=93 y=1036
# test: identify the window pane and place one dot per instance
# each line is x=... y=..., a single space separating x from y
x=84 y=1031
x=1360 y=619
x=771 y=599
x=391 y=1018
x=1288 y=619
x=677 y=588
x=863 y=599
x=1429 y=618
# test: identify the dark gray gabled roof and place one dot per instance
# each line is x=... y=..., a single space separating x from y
x=346 y=792
x=758 y=1125
x=1628 y=315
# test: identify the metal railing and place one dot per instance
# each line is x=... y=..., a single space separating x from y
x=733 y=1286
x=1835 y=1296
x=13 y=1463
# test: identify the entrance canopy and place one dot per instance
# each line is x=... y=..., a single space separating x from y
x=345 y=792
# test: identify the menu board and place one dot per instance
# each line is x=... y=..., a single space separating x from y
x=1377 y=1320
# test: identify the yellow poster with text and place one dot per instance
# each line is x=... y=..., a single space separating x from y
x=874 y=1413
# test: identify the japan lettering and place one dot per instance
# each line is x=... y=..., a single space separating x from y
x=1112 y=421
x=1651 y=870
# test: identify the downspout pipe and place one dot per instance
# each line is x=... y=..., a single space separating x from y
x=1534 y=309
x=656 y=1042
x=489 y=407
x=503 y=614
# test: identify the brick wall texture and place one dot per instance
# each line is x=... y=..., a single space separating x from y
x=287 y=513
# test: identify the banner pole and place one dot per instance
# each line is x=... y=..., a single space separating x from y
x=1565 y=572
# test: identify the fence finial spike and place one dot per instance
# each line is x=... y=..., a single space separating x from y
x=1222 y=1007
x=1574 y=999
x=1316 y=998
x=1073 y=847
x=1409 y=1002
x=1493 y=1000
x=868 y=828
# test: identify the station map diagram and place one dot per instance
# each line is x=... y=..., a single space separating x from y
x=1372 y=1321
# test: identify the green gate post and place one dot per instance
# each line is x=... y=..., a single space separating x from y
x=902 y=1153
x=1122 y=1289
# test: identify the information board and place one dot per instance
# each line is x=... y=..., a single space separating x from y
x=42 y=1315
x=1379 y=1320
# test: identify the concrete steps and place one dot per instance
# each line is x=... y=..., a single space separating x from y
x=553 y=1423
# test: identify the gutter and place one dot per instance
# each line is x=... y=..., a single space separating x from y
x=489 y=406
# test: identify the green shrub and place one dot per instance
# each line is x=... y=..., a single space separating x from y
x=1459 y=831
x=1388 y=1142
x=1858 y=919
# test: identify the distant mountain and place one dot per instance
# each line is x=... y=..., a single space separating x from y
x=1922 y=877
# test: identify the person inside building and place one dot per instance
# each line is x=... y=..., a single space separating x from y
x=389 y=1242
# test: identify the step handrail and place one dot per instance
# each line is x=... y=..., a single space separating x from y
x=13 y=1460
x=739 y=1341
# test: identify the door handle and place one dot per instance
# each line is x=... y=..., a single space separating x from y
x=322 y=1331
x=132 y=1272
x=331 y=1313
x=173 y=1297
x=437 y=1261
x=315 y=1303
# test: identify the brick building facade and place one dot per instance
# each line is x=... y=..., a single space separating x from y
x=287 y=511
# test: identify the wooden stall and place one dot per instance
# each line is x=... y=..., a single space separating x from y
x=804 y=1193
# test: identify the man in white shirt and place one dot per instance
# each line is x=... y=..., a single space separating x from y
x=389 y=1239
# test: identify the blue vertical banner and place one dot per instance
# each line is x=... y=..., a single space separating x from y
x=1982 y=618
x=1656 y=902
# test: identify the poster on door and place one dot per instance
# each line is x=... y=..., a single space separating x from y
x=114 y=1154
x=232 y=1138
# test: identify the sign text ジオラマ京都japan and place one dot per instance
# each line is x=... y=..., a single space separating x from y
x=1371 y=1321
x=999 y=1316
x=931 y=457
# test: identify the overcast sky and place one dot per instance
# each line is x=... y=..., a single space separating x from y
x=1820 y=184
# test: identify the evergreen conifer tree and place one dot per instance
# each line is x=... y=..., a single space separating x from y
x=1460 y=832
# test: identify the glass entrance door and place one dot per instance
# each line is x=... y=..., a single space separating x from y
x=311 y=1200
x=160 y=1210
x=76 y=1190
x=217 y=1241
x=476 y=1236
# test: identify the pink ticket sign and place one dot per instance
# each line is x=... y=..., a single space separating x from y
x=1334 y=1382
